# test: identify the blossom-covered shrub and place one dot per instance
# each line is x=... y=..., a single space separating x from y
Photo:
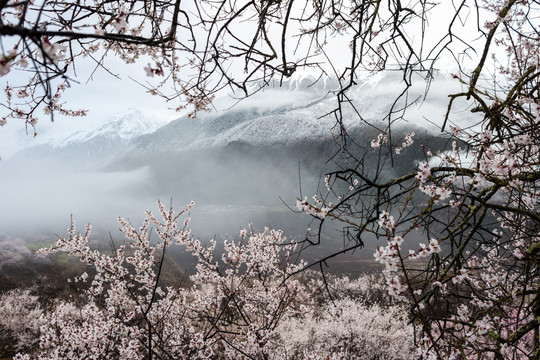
x=231 y=310
x=253 y=302
x=368 y=288
x=349 y=329
x=20 y=320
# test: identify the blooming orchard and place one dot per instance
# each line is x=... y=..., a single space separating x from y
x=246 y=305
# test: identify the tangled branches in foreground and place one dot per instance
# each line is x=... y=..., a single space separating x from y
x=473 y=282
x=190 y=50
x=459 y=236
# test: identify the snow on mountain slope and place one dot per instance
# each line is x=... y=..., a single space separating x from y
x=88 y=149
x=274 y=116
x=300 y=110
x=123 y=129
x=277 y=128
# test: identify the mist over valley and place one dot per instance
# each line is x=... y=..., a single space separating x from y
x=245 y=164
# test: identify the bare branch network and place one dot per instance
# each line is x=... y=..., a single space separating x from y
x=201 y=47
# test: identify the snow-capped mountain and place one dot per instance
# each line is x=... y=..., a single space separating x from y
x=92 y=147
x=288 y=114
x=250 y=126
x=250 y=154
x=121 y=128
x=301 y=110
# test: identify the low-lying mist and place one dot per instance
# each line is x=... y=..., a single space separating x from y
x=230 y=188
x=242 y=166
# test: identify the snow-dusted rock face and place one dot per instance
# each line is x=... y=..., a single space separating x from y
x=247 y=126
x=123 y=129
x=90 y=148
x=300 y=110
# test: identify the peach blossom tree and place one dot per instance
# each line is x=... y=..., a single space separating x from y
x=472 y=284
x=231 y=310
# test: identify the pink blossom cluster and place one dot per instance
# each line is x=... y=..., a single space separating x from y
x=21 y=317
x=232 y=307
x=381 y=140
x=317 y=210
x=407 y=141
x=424 y=172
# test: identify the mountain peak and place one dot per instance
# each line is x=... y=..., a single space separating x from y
x=122 y=128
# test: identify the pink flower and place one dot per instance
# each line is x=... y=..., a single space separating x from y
x=523 y=139
x=386 y=220
x=490 y=152
x=424 y=172
x=381 y=140
x=22 y=93
x=53 y=51
x=120 y=22
x=434 y=246
x=149 y=71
